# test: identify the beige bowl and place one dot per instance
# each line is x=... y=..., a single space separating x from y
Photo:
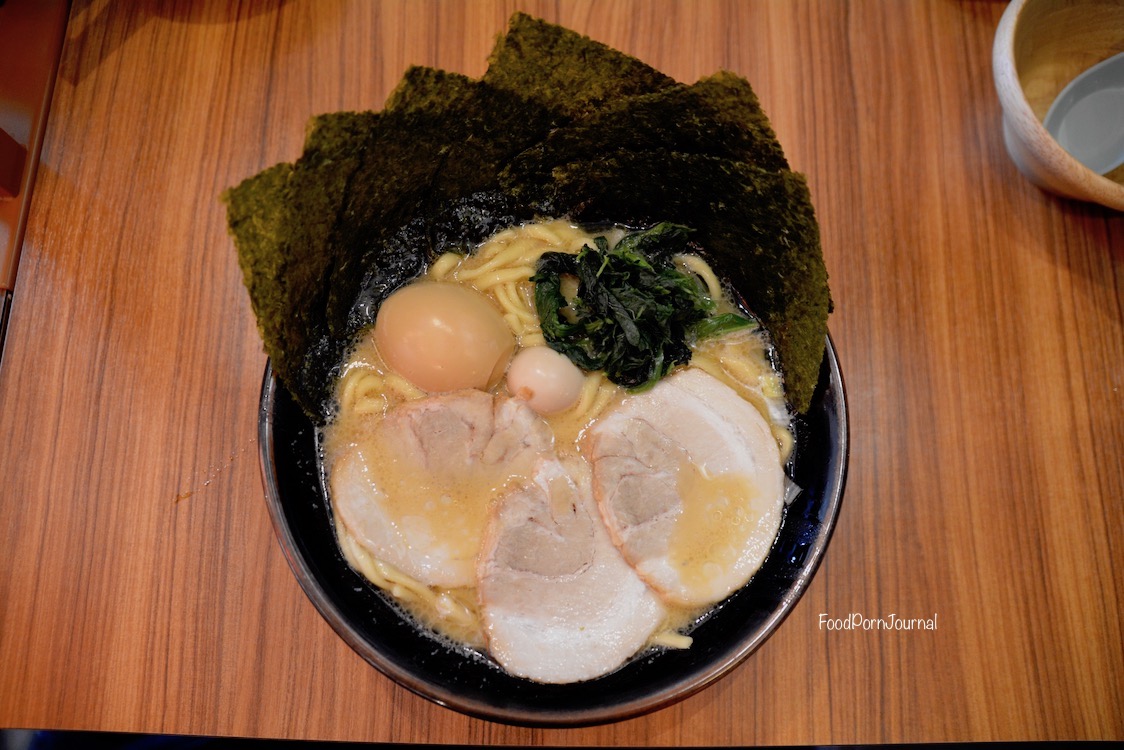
x=1040 y=46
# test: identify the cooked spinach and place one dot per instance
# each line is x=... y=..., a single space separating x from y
x=635 y=314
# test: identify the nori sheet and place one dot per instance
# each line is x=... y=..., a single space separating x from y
x=567 y=72
x=559 y=125
x=423 y=88
x=718 y=116
x=278 y=224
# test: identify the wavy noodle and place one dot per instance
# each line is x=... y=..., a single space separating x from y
x=699 y=267
x=361 y=391
x=444 y=265
x=448 y=605
x=372 y=389
x=752 y=381
x=671 y=639
x=606 y=394
x=485 y=281
x=404 y=389
x=505 y=257
x=589 y=392
x=518 y=300
x=549 y=233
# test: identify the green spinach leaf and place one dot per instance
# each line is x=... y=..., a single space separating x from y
x=635 y=314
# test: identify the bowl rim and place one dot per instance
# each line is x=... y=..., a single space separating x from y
x=689 y=684
x=1057 y=170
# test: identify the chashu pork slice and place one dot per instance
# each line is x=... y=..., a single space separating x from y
x=415 y=491
x=688 y=478
x=558 y=602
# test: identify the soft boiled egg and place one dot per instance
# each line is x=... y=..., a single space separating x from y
x=547 y=380
x=443 y=337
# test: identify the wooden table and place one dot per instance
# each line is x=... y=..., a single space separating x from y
x=978 y=321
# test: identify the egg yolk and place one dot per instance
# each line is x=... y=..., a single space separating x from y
x=443 y=337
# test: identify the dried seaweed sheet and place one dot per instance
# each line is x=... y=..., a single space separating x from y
x=718 y=116
x=425 y=88
x=567 y=72
x=278 y=225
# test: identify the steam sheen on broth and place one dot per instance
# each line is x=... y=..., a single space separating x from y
x=452 y=409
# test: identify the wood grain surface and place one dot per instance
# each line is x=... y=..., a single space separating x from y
x=978 y=321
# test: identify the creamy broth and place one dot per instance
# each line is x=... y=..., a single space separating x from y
x=718 y=510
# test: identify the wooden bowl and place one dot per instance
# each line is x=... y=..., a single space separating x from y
x=1040 y=46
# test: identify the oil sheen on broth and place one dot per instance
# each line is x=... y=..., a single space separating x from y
x=445 y=361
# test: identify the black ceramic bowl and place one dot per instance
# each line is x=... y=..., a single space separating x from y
x=469 y=682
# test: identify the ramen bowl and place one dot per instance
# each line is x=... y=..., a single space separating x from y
x=1040 y=47
x=468 y=681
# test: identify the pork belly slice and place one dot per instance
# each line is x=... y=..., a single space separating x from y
x=558 y=602
x=689 y=481
x=415 y=492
